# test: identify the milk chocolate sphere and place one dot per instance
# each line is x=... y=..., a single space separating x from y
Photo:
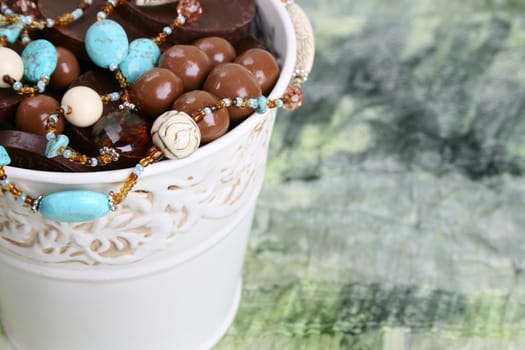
x=263 y=66
x=189 y=62
x=218 y=49
x=155 y=91
x=233 y=80
x=67 y=70
x=32 y=114
x=212 y=126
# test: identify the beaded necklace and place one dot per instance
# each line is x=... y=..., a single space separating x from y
x=83 y=205
x=107 y=46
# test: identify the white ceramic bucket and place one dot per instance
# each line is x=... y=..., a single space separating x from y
x=164 y=270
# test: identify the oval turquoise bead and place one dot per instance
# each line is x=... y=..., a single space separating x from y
x=106 y=43
x=75 y=206
x=40 y=59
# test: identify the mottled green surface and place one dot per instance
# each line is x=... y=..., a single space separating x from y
x=393 y=210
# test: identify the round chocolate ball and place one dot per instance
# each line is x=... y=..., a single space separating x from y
x=155 y=91
x=212 y=126
x=67 y=69
x=233 y=80
x=263 y=66
x=32 y=114
x=218 y=49
x=189 y=62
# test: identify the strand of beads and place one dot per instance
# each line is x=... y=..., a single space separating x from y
x=82 y=107
x=175 y=135
x=16 y=25
x=36 y=65
x=305 y=53
x=127 y=60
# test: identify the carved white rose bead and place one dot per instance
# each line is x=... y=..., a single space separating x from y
x=176 y=134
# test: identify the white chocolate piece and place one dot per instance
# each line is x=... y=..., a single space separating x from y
x=10 y=64
x=176 y=134
x=305 y=37
x=85 y=104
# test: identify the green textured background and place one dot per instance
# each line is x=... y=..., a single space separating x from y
x=393 y=209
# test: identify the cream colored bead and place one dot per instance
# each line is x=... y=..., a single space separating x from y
x=10 y=64
x=85 y=104
x=176 y=134
x=305 y=37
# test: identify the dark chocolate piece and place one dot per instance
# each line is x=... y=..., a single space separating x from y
x=28 y=151
x=9 y=100
x=228 y=19
x=249 y=42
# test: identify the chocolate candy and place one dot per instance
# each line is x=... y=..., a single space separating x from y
x=9 y=100
x=189 y=62
x=263 y=66
x=155 y=91
x=212 y=126
x=67 y=70
x=72 y=35
x=218 y=49
x=248 y=42
x=32 y=114
x=28 y=151
x=233 y=80
x=228 y=19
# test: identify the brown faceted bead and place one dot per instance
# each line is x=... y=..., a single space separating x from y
x=263 y=66
x=124 y=130
x=230 y=80
x=218 y=49
x=67 y=70
x=212 y=126
x=155 y=91
x=189 y=62
x=32 y=114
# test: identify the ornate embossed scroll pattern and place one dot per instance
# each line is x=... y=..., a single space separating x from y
x=152 y=216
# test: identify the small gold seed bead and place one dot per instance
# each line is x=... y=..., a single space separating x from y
x=64 y=20
x=121 y=79
x=160 y=38
x=84 y=4
x=3 y=41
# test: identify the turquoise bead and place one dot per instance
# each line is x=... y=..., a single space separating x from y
x=54 y=144
x=40 y=59
x=4 y=157
x=106 y=43
x=142 y=56
x=11 y=31
x=145 y=48
x=133 y=67
x=75 y=206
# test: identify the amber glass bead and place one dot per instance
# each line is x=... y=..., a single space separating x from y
x=190 y=9
x=125 y=130
x=293 y=98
